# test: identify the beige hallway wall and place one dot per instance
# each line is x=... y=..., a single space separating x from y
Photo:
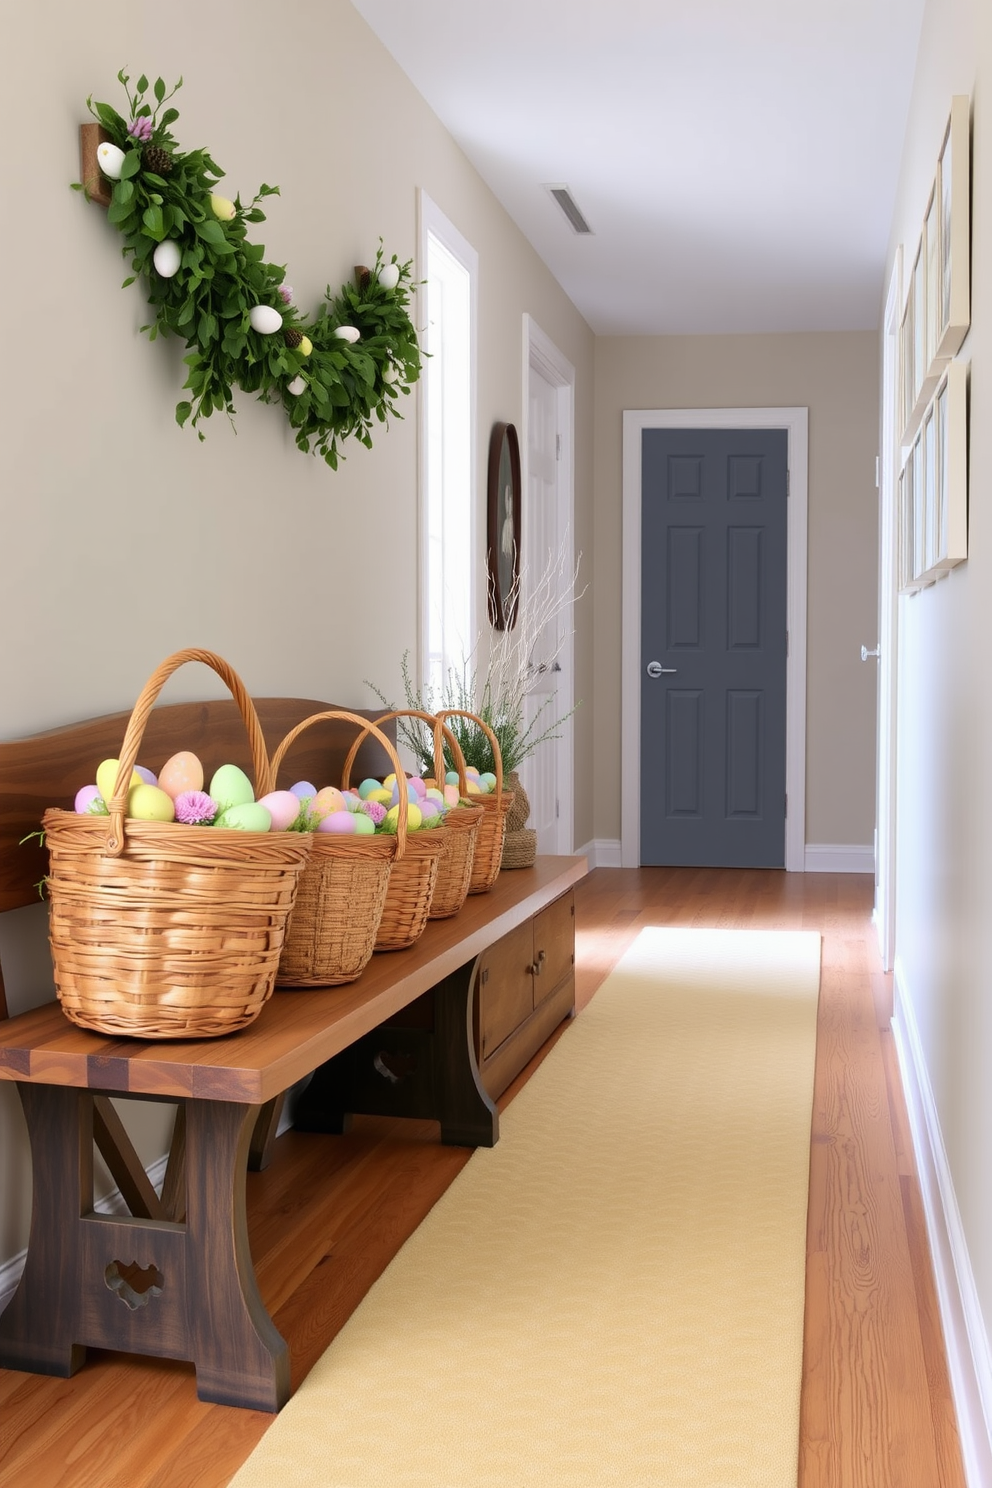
x=835 y=375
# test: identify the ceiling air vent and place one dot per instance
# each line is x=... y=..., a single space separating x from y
x=563 y=197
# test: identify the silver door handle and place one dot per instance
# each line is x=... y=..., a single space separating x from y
x=655 y=669
x=865 y=653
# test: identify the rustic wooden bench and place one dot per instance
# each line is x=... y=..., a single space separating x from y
x=174 y=1277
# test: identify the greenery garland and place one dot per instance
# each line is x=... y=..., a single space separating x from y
x=335 y=373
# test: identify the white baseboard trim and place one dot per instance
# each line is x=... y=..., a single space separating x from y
x=965 y=1335
x=838 y=857
x=602 y=852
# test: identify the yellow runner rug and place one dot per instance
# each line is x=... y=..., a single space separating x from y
x=613 y=1295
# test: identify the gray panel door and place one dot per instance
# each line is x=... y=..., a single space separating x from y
x=713 y=628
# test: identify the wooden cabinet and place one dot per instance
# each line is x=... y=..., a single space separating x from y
x=524 y=986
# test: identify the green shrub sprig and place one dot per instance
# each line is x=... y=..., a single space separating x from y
x=345 y=387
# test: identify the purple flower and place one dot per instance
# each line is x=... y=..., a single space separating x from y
x=195 y=808
x=375 y=810
x=141 y=129
x=286 y=294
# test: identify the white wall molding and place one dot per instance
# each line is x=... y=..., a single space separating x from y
x=602 y=852
x=839 y=857
x=795 y=421
x=966 y=1338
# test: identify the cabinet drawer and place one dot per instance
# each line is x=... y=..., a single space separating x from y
x=504 y=986
x=554 y=946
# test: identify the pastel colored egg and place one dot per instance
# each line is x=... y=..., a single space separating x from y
x=110 y=158
x=433 y=794
x=264 y=319
x=364 y=825
x=473 y=787
x=224 y=209
x=85 y=798
x=230 y=786
x=451 y=778
x=451 y=795
x=149 y=803
x=471 y=771
x=388 y=782
x=106 y=778
x=488 y=779
x=414 y=783
x=181 y=772
x=383 y=796
x=167 y=258
x=414 y=817
x=148 y=776
x=247 y=816
x=369 y=785
x=327 y=800
x=283 y=807
x=337 y=821
x=305 y=347
x=303 y=789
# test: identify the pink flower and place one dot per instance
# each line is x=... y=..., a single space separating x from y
x=375 y=810
x=286 y=294
x=141 y=129
x=195 y=808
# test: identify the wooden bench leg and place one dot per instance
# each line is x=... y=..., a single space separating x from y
x=143 y=1285
x=426 y=1072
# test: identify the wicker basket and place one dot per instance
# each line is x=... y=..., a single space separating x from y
x=411 y=882
x=165 y=931
x=461 y=823
x=492 y=829
x=342 y=893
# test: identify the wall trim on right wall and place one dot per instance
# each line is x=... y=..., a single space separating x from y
x=839 y=857
x=795 y=421
x=966 y=1340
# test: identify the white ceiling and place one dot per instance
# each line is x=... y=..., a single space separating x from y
x=736 y=159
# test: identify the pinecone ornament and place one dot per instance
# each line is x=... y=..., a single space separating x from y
x=155 y=159
x=292 y=337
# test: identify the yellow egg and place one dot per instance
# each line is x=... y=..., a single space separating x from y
x=181 y=772
x=222 y=207
x=305 y=347
x=149 y=803
x=106 y=777
x=389 y=782
x=383 y=796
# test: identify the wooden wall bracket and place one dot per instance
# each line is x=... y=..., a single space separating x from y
x=98 y=189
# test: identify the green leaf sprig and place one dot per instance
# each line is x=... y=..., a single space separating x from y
x=340 y=388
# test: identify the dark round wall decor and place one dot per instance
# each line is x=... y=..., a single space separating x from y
x=503 y=526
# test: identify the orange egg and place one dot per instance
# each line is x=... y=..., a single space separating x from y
x=183 y=772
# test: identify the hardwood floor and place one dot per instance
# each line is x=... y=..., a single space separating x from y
x=330 y=1212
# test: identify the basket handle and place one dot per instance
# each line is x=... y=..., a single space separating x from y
x=494 y=742
x=272 y=769
x=134 y=733
x=437 y=728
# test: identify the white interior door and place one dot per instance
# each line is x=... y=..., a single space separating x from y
x=546 y=546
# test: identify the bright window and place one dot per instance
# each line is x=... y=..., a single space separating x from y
x=448 y=598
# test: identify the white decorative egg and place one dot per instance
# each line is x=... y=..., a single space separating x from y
x=389 y=275
x=167 y=258
x=110 y=159
x=296 y=387
x=389 y=373
x=348 y=333
x=264 y=319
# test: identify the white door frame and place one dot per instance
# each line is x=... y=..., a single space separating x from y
x=795 y=421
x=888 y=613
x=540 y=352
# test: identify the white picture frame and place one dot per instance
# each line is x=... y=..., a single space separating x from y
x=933 y=486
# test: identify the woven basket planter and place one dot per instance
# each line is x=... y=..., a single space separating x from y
x=461 y=823
x=165 y=931
x=339 y=906
x=520 y=842
x=492 y=828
